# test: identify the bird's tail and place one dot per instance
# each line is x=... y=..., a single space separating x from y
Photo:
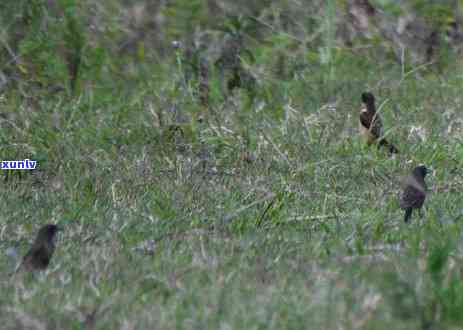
x=390 y=146
x=408 y=214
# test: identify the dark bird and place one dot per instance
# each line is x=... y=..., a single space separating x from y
x=39 y=255
x=371 y=125
x=414 y=192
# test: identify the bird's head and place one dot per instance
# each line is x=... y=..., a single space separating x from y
x=48 y=232
x=420 y=171
x=368 y=98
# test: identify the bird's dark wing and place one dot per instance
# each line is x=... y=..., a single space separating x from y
x=43 y=256
x=37 y=258
x=414 y=194
x=365 y=118
x=371 y=121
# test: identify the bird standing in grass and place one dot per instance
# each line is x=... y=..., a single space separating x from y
x=371 y=125
x=414 y=192
x=39 y=255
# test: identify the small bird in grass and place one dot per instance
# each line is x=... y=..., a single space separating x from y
x=414 y=192
x=371 y=124
x=39 y=255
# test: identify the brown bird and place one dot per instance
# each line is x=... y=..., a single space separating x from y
x=414 y=192
x=371 y=124
x=39 y=255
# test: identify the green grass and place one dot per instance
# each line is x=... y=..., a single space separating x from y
x=185 y=233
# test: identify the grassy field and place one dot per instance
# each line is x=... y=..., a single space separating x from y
x=262 y=210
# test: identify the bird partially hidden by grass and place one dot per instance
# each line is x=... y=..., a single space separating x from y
x=371 y=125
x=414 y=192
x=39 y=255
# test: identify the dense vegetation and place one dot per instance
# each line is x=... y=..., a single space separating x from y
x=204 y=160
